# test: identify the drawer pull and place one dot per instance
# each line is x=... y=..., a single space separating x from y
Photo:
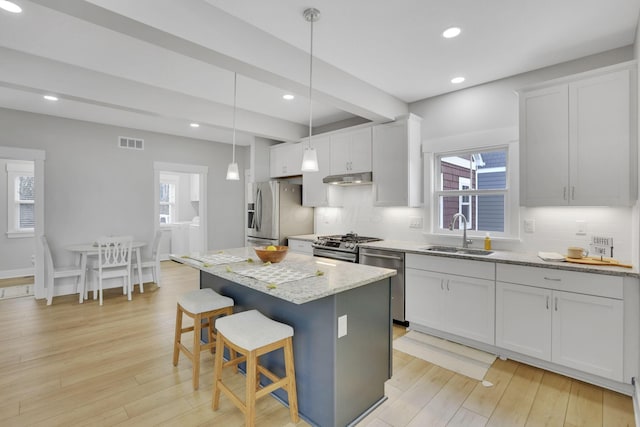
x=547 y=302
x=553 y=279
x=556 y=303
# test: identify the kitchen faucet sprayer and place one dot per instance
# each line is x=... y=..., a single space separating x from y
x=460 y=217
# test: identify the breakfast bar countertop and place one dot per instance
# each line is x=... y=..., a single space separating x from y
x=310 y=278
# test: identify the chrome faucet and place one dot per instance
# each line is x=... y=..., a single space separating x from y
x=458 y=216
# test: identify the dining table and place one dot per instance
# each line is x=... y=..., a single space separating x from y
x=83 y=251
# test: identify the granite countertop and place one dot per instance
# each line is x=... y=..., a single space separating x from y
x=505 y=257
x=336 y=276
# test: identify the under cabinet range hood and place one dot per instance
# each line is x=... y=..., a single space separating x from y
x=361 y=178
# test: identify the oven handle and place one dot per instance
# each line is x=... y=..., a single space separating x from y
x=370 y=255
x=334 y=254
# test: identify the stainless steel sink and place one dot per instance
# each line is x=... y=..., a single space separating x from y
x=457 y=250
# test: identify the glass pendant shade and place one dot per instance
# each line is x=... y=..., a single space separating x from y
x=310 y=160
x=232 y=172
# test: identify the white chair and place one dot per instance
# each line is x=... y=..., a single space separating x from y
x=51 y=273
x=114 y=260
x=154 y=262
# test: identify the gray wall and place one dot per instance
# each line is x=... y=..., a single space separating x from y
x=494 y=105
x=93 y=187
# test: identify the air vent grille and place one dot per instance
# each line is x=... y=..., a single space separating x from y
x=132 y=143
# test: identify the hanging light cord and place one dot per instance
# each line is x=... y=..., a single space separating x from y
x=235 y=80
x=312 y=18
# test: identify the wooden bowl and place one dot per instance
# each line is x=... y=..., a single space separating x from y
x=271 y=256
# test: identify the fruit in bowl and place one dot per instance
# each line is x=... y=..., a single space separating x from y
x=271 y=253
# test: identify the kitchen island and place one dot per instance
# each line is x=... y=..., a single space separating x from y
x=341 y=316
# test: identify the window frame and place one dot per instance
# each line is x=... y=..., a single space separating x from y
x=15 y=170
x=510 y=192
x=170 y=179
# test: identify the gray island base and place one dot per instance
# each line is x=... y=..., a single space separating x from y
x=339 y=379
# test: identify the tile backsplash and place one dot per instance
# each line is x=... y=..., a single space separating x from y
x=555 y=227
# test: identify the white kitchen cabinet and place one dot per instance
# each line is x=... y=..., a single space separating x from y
x=285 y=160
x=397 y=163
x=577 y=140
x=581 y=329
x=300 y=246
x=460 y=305
x=351 y=151
x=315 y=193
x=523 y=319
x=587 y=334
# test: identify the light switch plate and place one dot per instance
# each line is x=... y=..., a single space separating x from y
x=581 y=227
x=529 y=225
x=342 y=326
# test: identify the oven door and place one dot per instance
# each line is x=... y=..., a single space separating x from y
x=329 y=253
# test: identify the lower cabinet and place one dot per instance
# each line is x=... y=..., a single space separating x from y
x=300 y=246
x=583 y=332
x=459 y=305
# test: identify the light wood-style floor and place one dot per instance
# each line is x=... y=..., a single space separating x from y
x=86 y=365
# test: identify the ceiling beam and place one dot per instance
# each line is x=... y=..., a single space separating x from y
x=219 y=39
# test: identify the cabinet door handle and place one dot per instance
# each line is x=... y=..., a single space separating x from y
x=553 y=279
x=448 y=285
x=556 y=303
x=564 y=193
x=573 y=192
x=547 y=302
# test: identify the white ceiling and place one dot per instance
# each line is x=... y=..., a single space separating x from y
x=160 y=64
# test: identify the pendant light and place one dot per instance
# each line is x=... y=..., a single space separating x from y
x=232 y=170
x=310 y=157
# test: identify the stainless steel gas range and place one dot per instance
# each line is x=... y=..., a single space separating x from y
x=342 y=247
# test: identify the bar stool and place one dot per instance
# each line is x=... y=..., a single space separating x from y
x=199 y=304
x=252 y=335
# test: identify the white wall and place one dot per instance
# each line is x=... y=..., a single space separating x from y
x=95 y=188
x=490 y=106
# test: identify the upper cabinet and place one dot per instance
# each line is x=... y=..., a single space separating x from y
x=397 y=163
x=315 y=193
x=351 y=151
x=285 y=160
x=578 y=140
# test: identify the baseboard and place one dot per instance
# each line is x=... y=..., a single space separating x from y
x=21 y=272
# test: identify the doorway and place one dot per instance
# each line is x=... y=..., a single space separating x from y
x=180 y=201
x=32 y=207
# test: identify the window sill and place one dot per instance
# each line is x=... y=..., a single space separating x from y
x=20 y=234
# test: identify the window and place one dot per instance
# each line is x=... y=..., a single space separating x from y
x=20 y=199
x=473 y=183
x=168 y=191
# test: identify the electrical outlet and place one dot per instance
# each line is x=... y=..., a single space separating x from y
x=415 y=222
x=581 y=227
x=342 y=326
x=529 y=225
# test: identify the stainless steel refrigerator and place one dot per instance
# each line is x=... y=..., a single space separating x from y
x=275 y=212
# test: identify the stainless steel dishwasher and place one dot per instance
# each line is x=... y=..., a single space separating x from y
x=393 y=260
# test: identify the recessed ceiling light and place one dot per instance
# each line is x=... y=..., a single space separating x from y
x=10 y=6
x=452 y=32
x=457 y=80
x=50 y=98
x=194 y=125
x=288 y=96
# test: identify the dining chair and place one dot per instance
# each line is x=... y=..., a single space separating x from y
x=114 y=260
x=51 y=273
x=154 y=262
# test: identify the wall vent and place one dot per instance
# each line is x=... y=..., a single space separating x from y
x=133 y=143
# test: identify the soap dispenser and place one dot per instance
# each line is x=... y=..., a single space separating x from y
x=487 y=242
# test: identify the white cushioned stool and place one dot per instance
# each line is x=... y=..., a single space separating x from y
x=252 y=335
x=201 y=304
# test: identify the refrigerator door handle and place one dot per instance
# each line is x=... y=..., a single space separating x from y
x=258 y=216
